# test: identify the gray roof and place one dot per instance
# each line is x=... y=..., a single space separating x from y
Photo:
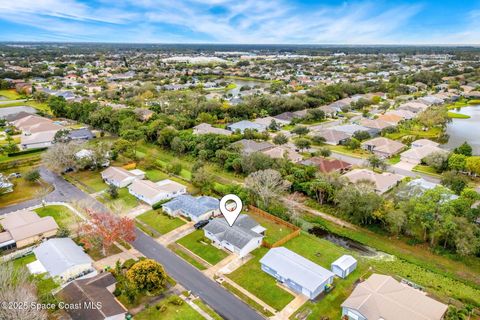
x=251 y=146
x=60 y=254
x=83 y=133
x=293 y=266
x=238 y=235
x=191 y=205
x=350 y=128
x=245 y=124
x=344 y=262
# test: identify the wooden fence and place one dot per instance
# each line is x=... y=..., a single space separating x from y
x=295 y=230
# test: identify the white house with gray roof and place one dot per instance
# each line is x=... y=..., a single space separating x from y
x=63 y=259
x=244 y=125
x=242 y=238
x=199 y=208
x=296 y=272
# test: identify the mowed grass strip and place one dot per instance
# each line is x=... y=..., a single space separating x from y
x=199 y=245
x=160 y=221
x=170 y=311
x=251 y=277
x=63 y=216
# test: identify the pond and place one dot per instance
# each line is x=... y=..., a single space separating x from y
x=461 y=130
x=342 y=241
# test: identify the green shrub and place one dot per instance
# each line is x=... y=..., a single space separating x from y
x=28 y=151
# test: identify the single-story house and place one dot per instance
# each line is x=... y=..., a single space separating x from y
x=120 y=177
x=344 y=265
x=375 y=124
x=266 y=121
x=287 y=117
x=383 y=147
x=390 y=118
x=244 y=125
x=413 y=106
x=382 y=181
x=24 y=228
x=296 y=272
x=5 y=185
x=153 y=192
x=205 y=128
x=62 y=259
x=329 y=111
x=144 y=114
x=418 y=187
x=199 y=208
x=405 y=114
x=423 y=143
x=81 y=134
x=415 y=154
x=350 y=129
x=383 y=297
x=94 y=291
x=250 y=146
x=328 y=165
x=37 y=140
x=242 y=238
x=37 y=132
x=281 y=152
x=332 y=136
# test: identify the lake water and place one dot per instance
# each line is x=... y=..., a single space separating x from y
x=461 y=130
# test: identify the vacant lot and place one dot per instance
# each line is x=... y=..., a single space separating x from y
x=123 y=203
x=198 y=244
x=62 y=215
x=87 y=180
x=160 y=221
x=251 y=277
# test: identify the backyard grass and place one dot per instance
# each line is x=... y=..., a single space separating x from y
x=156 y=175
x=87 y=180
x=62 y=215
x=260 y=284
x=160 y=221
x=123 y=203
x=10 y=94
x=23 y=190
x=455 y=115
x=274 y=232
x=199 y=245
x=187 y=257
x=171 y=312
x=207 y=309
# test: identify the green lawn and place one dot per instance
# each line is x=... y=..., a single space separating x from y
x=88 y=180
x=323 y=253
x=457 y=115
x=23 y=190
x=394 y=160
x=62 y=215
x=156 y=175
x=198 y=244
x=426 y=169
x=251 y=277
x=171 y=312
x=10 y=94
x=160 y=221
x=252 y=303
x=207 y=309
x=179 y=251
x=29 y=156
x=274 y=232
x=416 y=133
x=357 y=153
x=123 y=203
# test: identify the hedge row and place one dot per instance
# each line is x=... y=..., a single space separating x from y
x=28 y=151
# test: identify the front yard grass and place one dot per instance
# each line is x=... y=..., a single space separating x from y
x=357 y=153
x=179 y=251
x=199 y=245
x=426 y=169
x=252 y=303
x=207 y=309
x=251 y=277
x=160 y=221
x=123 y=203
x=10 y=94
x=166 y=310
x=88 y=180
x=63 y=216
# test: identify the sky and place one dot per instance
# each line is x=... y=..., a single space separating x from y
x=390 y=22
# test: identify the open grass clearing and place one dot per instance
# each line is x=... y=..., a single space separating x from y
x=123 y=203
x=197 y=243
x=179 y=251
x=63 y=216
x=260 y=284
x=275 y=231
x=246 y=299
x=160 y=221
x=87 y=180
x=10 y=94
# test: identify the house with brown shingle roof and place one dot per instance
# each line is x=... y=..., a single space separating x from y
x=382 y=181
x=392 y=119
x=328 y=165
x=383 y=297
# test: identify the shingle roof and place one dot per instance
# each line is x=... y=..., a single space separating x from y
x=382 y=297
x=327 y=165
x=60 y=254
x=292 y=266
x=238 y=235
x=191 y=205
x=251 y=146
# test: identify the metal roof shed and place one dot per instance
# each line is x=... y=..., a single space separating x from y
x=344 y=265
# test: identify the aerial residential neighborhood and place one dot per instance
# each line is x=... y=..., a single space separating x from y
x=202 y=160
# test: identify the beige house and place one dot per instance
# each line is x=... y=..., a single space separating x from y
x=383 y=147
x=37 y=132
x=279 y=152
x=383 y=297
x=382 y=181
x=419 y=150
x=205 y=128
x=154 y=192
x=24 y=228
x=120 y=177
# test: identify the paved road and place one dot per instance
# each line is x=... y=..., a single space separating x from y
x=224 y=303
x=63 y=192
x=403 y=172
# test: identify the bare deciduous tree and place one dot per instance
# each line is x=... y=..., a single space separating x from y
x=266 y=185
x=60 y=157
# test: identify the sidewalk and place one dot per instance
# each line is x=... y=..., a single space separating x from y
x=290 y=308
x=176 y=234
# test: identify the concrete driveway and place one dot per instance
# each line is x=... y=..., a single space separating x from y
x=404 y=165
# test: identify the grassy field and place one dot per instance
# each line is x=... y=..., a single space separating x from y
x=23 y=190
x=87 y=180
x=357 y=153
x=251 y=277
x=160 y=221
x=455 y=115
x=170 y=312
x=10 y=94
x=123 y=203
x=274 y=232
x=416 y=133
x=62 y=215
x=187 y=257
x=198 y=244
x=207 y=309
x=246 y=299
